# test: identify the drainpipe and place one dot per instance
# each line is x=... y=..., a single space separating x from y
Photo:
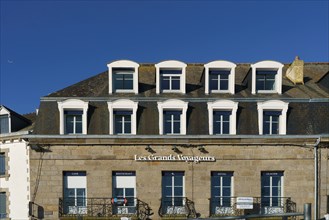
x=316 y=179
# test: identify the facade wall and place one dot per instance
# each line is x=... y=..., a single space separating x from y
x=99 y=161
x=16 y=181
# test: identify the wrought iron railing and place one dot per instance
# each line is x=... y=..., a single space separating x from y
x=227 y=206
x=177 y=206
x=104 y=207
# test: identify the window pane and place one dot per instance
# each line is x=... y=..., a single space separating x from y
x=118 y=192
x=213 y=82
x=165 y=81
x=178 y=191
x=223 y=84
x=2 y=164
x=130 y=192
x=3 y=208
x=4 y=124
x=69 y=124
x=178 y=180
x=175 y=83
x=118 y=124
x=226 y=191
x=226 y=180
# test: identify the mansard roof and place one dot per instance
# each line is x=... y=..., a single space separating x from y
x=97 y=86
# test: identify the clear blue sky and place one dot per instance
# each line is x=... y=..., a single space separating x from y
x=49 y=45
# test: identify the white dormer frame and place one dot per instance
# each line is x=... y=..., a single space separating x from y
x=171 y=64
x=72 y=104
x=267 y=65
x=224 y=65
x=4 y=111
x=123 y=104
x=222 y=105
x=123 y=64
x=173 y=104
x=273 y=105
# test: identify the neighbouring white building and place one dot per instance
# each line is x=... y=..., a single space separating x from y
x=14 y=165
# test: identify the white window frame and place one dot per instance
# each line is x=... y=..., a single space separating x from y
x=222 y=105
x=271 y=189
x=273 y=105
x=221 y=65
x=71 y=105
x=175 y=105
x=123 y=104
x=123 y=64
x=4 y=111
x=171 y=64
x=267 y=65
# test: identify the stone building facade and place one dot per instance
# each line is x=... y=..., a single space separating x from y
x=174 y=140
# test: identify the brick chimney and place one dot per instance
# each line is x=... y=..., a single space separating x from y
x=296 y=71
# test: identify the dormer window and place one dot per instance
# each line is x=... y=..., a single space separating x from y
x=123 y=77
x=123 y=116
x=267 y=77
x=5 y=125
x=73 y=116
x=219 y=77
x=222 y=117
x=172 y=117
x=272 y=117
x=170 y=77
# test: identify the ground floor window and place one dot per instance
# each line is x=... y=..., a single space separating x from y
x=3 y=205
x=173 y=191
x=221 y=192
x=271 y=191
x=124 y=192
x=75 y=191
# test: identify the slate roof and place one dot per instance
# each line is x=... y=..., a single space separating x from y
x=303 y=118
x=97 y=86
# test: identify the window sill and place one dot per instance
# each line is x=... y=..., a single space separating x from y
x=172 y=91
x=267 y=91
x=124 y=91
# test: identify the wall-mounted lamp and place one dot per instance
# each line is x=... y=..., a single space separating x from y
x=149 y=149
x=176 y=150
x=202 y=149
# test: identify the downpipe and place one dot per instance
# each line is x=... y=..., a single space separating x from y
x=316 y=179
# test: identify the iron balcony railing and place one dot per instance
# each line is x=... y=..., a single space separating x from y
x=177 y=207
x=227 y=206
x=104 y=207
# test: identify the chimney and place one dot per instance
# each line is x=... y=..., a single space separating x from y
x=296 y=71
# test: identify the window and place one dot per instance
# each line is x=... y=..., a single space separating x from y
x=75 y=192
x=4 y=124
x=73 y=122
x=222 y=117
x=124 y=192
x=122 y=116
x=123 y=77
x=170 y=76
x=172 y=122
x=73 y=116
x=271 y=122
x=219 y=77
x=3 y=205
x=122 y=124
x=221 y=192
x=265 y=80
x=173 y=192
x=2 y=164
x=272 y=117
x=172 y=117
x=272 y=184
x=170 y=79
x=267 y=77
x=221 y=123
